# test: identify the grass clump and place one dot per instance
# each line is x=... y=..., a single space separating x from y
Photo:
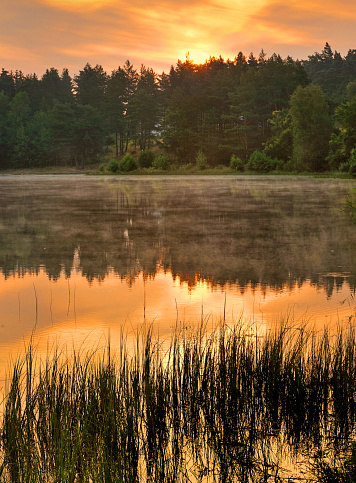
x=220 y=407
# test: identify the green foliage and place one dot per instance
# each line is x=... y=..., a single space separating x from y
x=102 y=168
x=18 y=118
x=351 y=90
x=144 y=108
x=90 y=85
x=40 y=144
x=331 y=71
x=62 y=131
x=352 y=162
x=181 y=120
x=113 y=166
x=345 y=116
x=262 y=163
x=224 y=108
x=236 y=163
x=257 y=94
x=146 y=159
x=161 y=161
x=280 y=144
x=88 y=132
x=311 y=128
x=4 y=130
x=55 y=88
x=127 y=164
x=336 y=157
x=344 y=167
x=201 y=160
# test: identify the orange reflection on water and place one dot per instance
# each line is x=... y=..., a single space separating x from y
x=73 y=311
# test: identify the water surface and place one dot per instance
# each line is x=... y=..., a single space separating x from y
x=80 y=256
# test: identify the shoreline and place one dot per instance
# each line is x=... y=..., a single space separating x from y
x=93 y=170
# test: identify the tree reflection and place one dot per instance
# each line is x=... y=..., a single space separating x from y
x=276 y=233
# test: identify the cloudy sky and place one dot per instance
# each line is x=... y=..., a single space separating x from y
x=39 y=34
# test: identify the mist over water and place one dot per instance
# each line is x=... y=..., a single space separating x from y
x=82 y=256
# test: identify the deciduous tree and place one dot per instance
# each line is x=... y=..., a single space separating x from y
x=311 y=127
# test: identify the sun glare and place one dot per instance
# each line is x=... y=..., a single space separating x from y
x=198 y=57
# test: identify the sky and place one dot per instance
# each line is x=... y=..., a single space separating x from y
x=39 y=34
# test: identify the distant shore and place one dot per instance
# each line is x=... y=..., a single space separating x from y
x=93 y=169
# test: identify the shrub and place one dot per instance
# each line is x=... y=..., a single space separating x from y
x=352 y=162
x=113 y=166
x=236 y=163
x=262 y=163
x=161 y=161
x=146 y=159
x=201 y=160
x=127 y=164
x=102 y=168
x=344 y=167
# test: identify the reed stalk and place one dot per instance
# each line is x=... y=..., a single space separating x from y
x=219 y=407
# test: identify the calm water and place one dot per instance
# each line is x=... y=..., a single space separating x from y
x=82 y=255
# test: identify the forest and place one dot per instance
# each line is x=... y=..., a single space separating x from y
x=257 y=113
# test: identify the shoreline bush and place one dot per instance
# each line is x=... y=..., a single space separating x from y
x=161 y=161
x=201 y=160
x=146 y=159
x=127 y=164
x=113 y=166
x=262 y=163
x=236 y=163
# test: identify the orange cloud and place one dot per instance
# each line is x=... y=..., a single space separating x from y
x=308 y=24
x=70 y=33
x=8 y=52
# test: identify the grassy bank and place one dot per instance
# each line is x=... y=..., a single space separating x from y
x=224 y=407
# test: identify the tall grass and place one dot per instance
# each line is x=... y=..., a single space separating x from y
x=212 y=407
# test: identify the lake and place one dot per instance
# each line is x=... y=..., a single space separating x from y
x=84 y=257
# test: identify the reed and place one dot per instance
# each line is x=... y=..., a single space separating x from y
x=219 y=407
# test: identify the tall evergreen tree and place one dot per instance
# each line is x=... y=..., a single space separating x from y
x=18 y=117
x=90 y=86
x=50 y=88
x=144 y=109
x=4 y=130
x=116 y=99
x=7 y=84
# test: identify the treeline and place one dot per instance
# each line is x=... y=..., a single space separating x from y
x=260 y=112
